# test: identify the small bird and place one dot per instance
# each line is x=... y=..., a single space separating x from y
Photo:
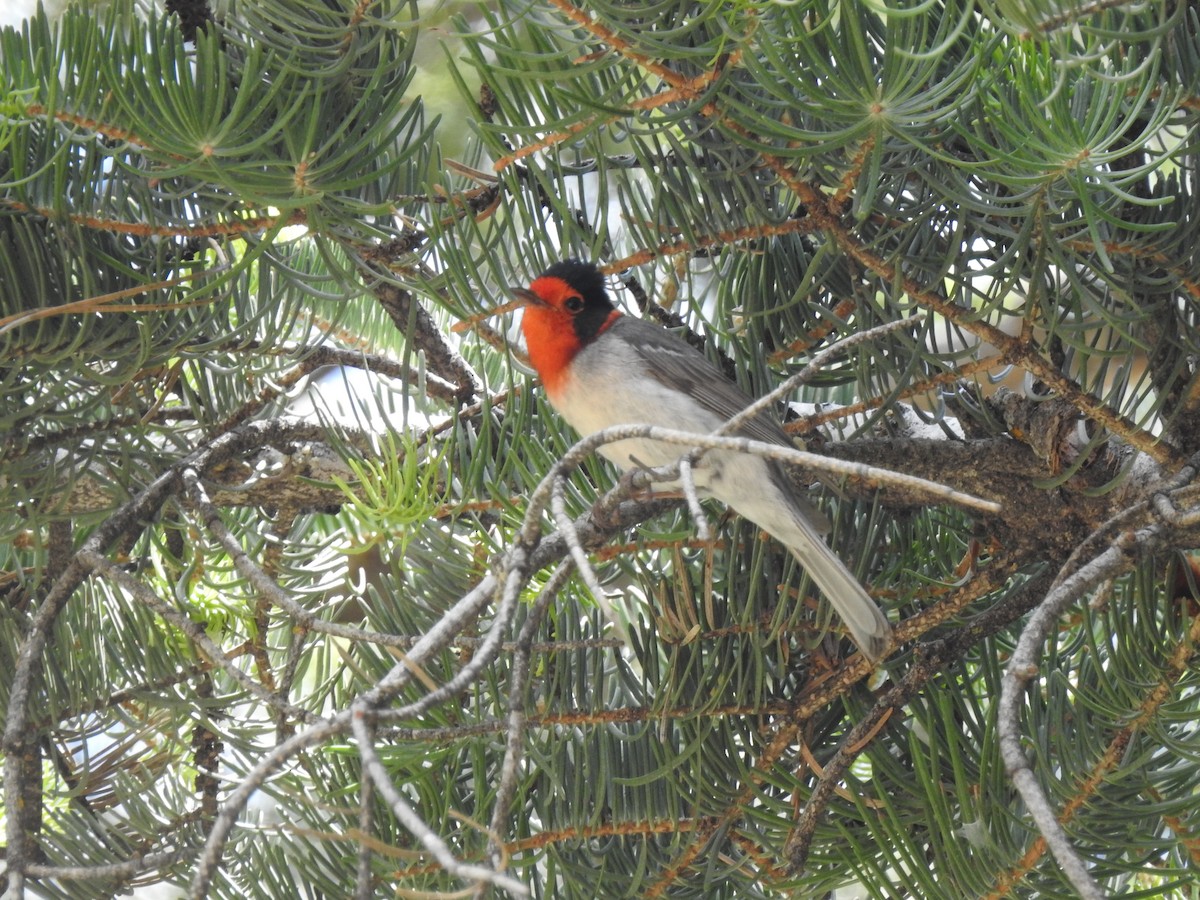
x=601 y=368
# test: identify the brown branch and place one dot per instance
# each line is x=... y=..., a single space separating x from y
x=858 y=738
x=606 y=35
x=117 y=135
x=682 y=91
x=761 y=772
x=716 y=239
x=552 y=139
x=231 y=228
x=814 y=336
x=1012 y=350
x=846 y=186
x=681 y=87
x=106 y=303
x=641 y=828
x=419 y=328
x=816 y=420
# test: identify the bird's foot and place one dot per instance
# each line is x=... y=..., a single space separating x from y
x=634 y=485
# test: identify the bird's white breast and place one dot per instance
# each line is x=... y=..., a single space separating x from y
x=608 y=385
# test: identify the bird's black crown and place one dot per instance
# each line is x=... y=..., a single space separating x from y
x=585 y=277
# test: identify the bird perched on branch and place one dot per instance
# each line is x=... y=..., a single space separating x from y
x=601 y=368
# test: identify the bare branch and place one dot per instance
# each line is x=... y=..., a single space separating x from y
x=870 y=474
x=514 y=747
x=1023 y=667
x=374 y=769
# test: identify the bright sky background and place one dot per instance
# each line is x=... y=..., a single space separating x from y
x=13 y=12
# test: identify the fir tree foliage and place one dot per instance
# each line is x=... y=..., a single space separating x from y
x=258 y=642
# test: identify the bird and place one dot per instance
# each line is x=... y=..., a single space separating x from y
x=600 y=368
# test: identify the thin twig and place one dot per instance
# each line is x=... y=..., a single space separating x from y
x=109 y=303
x=122 y=871
x=481 y=659
x=558 y=509
x=687 y=482
x=813 y=367
x=364 y=888
x=432 y=642
x=374 y=769
x=413 y=321
x=250 y=784
x=195 y=633
x=514 y=744
x=796 y=848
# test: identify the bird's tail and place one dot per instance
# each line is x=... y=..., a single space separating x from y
x=763 y=494
x=863 y=618
x=784 y=516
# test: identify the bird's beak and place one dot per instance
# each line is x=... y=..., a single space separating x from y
x=526 y=297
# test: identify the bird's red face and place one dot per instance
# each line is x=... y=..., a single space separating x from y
x=566 y=308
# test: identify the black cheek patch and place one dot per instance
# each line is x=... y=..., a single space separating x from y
x=590 y=321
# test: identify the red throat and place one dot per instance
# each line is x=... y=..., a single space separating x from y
x=552 y=343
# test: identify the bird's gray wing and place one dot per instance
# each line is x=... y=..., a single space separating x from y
x=684 y=368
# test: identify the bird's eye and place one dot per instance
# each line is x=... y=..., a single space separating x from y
x=573 y=303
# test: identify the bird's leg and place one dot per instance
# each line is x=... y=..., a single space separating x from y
x=636 y=484
x=632 y=485
x=641 y=482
